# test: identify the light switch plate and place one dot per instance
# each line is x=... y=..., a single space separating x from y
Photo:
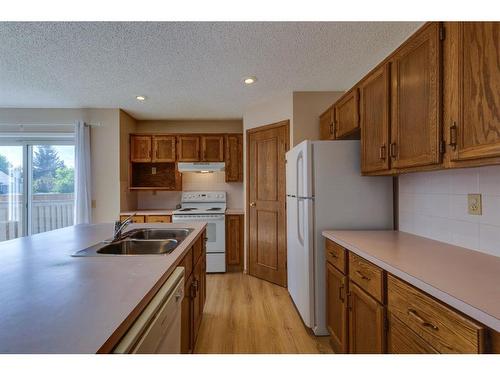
x=474 y=204
x=153 y=170
x=93 y=203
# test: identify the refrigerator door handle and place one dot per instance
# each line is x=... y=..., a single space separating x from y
x=310 y=198
x=300 y=237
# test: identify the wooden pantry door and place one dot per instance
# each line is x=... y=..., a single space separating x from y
x=266 y=201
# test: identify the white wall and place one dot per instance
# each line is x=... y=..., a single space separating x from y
x=104 y=148
x=193 y=182
x=434 y=205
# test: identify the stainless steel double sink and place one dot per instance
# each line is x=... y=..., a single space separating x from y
x=149 y=241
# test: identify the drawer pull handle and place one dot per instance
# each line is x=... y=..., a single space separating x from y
x=333 y=255
x=422 y=321
x=363 y=276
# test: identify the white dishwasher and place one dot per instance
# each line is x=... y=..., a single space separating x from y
x=158 y=329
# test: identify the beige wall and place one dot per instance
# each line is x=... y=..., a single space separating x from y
x=307 y=106
x=104 y=148
x=128 y=199
x=189 y=126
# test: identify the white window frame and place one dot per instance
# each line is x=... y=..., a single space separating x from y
x=27 y=141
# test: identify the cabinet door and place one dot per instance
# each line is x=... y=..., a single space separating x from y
x=197 y=298
x=326 y=124
x=375 y=99
x=212 y=148
x=416 y=100
x=140 y=148
x=366 y=322
x=234 y=242
x=336 y=308
x=187 y=318
x=188 y=147
x=475 y=133
x=347 y=114
x=234 y=158
x=164 y=148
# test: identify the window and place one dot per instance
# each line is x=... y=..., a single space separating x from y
x=37 y=182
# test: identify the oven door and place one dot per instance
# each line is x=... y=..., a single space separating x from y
x=216 y=236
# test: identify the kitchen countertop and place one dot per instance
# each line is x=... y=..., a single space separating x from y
x=51 y=302
x=229 y=211
x=465 y=279
x=235 y=211
x=167 y=211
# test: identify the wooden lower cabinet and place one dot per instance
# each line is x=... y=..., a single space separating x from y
x=234 y=242
x=366 y=322
x=402 y=340
x=392 y=315
x=195 y=293
x=186 y=329
x=336 y=316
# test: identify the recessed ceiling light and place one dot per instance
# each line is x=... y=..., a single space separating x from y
x=250 y=80
x=140 y=98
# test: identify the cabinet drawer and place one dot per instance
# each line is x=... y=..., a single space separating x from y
x=158 y=219
x=443 y=328
x=367 y=275
x=135 y=219
x=402 y=340
x=336 y=255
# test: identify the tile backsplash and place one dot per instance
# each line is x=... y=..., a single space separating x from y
x=434 y=205
x=193 y=182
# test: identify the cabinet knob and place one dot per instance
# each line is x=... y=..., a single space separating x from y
x=253 y=204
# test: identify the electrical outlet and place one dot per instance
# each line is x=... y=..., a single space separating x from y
x=153 y=170
x=474 y=205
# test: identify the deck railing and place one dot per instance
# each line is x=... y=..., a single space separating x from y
x=48 y=211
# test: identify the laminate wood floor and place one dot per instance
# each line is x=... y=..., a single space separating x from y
x=244 y=314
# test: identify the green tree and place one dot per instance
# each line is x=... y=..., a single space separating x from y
x=64 y=181
x=45 y=162
x=4 y=164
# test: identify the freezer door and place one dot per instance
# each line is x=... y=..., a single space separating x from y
x=298 y=170
x=300 y=257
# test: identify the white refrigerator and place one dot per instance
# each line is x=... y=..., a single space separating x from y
x=325 y=190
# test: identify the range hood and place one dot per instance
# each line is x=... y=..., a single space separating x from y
x=200 y=167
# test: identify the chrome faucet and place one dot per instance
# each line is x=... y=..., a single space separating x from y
x=120 y=226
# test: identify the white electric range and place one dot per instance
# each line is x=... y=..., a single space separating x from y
x=209 y=207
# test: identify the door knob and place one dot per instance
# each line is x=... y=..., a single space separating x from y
x=252 y=204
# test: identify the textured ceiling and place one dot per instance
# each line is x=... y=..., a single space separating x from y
x=187 y=69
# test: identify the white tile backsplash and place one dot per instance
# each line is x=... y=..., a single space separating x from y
x=434 y=205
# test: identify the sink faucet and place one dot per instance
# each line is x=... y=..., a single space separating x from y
x=120 y=226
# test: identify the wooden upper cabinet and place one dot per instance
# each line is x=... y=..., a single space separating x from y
x=375 y=117
x=164 y=148
x=140 y=148
x=188 y=148
x=336 y=308
x=416 y=100
x=366 y=323
x=326 y=125
x=346 y=112
x=234 y=158
x=212 y=148
x=474 y=127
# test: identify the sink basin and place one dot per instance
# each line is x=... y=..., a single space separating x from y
x=137 y=247
x=150 y=241
x=158 y=234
